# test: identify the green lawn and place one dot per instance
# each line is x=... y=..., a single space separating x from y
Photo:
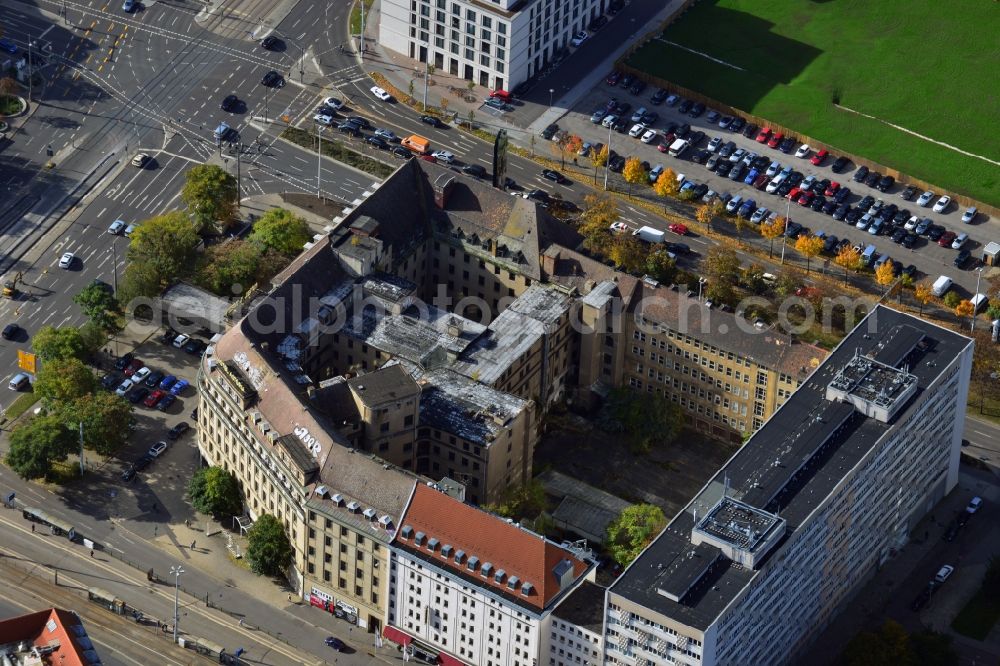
x=978 y=616
x=914 y=64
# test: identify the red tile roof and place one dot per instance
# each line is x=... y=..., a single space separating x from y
x=492 y=540
x=35 y=630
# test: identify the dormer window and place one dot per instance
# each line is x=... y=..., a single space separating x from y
x=432 y=544
x=513 y=582
x=446 y=550
x=459 y=556
x=473 y=563
x=419 y=539
x=527 y=589
x=406 y=532
x=370 y=514
x=500 y=576
x=486 y=570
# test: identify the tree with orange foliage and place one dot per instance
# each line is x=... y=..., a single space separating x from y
x=809 y=246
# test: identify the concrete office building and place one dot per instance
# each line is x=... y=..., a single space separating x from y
x=467 y=587
x=576 y=632
x=769 y=551
x=496 y=43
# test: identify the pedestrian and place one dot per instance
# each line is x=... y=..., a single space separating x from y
x=241 y=622
x=32 y=527
x=193 y=543
x=187 y=523
x=91 y=552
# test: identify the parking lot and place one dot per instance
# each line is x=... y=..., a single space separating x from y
x=134 y=484
x=930 y=258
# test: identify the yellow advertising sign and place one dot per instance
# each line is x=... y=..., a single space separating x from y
x=27 y=361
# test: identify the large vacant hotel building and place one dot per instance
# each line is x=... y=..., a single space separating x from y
x=420 y=338
x=775 y=544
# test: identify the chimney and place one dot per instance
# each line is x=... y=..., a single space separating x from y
x=549 y=262
x=442 y=189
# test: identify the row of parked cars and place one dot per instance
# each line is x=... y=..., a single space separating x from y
x=945 y=572
x=154 y=452
x=614 y=116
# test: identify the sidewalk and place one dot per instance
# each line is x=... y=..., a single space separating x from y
x=401 y=71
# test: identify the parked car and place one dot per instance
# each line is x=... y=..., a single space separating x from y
x=819 y=157
x=156 y=450
x=975 y=504
x=178 y=430
x=860 y=175
x=925 y=199
x=942 y=204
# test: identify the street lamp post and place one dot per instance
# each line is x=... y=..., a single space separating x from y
x=319 y=159
x=362 y=49
x=31 y=43
x=176 y=571
x=551 y=92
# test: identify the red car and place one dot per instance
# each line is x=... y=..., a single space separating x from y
x=133 y=367
x=775 y=139
x=794 y=194
x=761 y=182
x=805 y=198
x=832 y=188
x=663 y=147
x=764 y=135
x=154 y=398
x=818 y=158
x=946 y=239
x=613 y=78
x=429 y=158
x=678 y=229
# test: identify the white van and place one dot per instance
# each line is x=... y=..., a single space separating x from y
x=19 y=381
x=941 y=285
x=979 y=301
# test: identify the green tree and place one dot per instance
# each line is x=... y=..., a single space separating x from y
x=523 y=501
x=51 y=343
x=214 y=491
x=166 y=244
x=280 y=230
x=647 y=419
x=890 y=644
x=952 y=299
x=139 y=280
x=235 y=262
x=661 y=267
x=210 y=194
x=268 y=550
x=634 y=173
x=99 y=304
x=38 y=443
x=64 y=380
x=93 y=337
x=633 y=530
x=722 y=270
x=108 y=421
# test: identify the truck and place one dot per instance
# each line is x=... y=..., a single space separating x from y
x=868 y=255
x=417 y=143
x=648 y=234
x=941 y=285
x=678 y=147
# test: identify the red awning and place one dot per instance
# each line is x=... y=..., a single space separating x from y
x=396 y=636
x=448 y=660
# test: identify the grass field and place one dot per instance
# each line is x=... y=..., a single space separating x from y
x=932 y=68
